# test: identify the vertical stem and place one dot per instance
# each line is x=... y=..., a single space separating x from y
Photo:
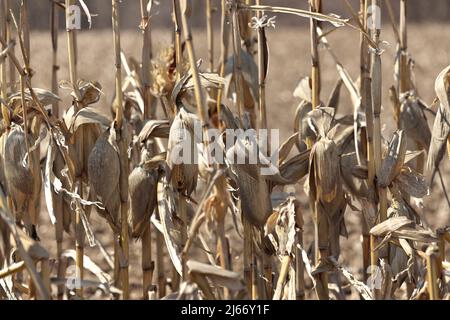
x=177 y=34
x=433 y=262
x=247 y=256
x=404 y=69
x=224 y=31
x=146 y=58
x=222 y=249
x=79 y=144
x=255 y=284
x=210 y=35
x=117 y=62
x=282 y=277
x=183 y=216
x=268 y=276
x=147 y=263
x=124 y=166
x=315 y=6
x=261 y=74
x=321 y=251
x=25 y=30
x=199 y=98
x=9 y=38
x=55 y=67
x=160 y=265
x=366 y=101
x=79 y=243
x=299 y=265
x=376 y=76
x=376 y=105
x=3 y=67
x=237 y=70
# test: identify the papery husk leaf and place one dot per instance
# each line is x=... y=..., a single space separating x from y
x=182 y=136
x=218 y=276
x=249 y=73
x=326 y=169
x=104 y=174
x=23 y=178
x=89 y=115
x=414 y=123
x=301 y=124
x=333 y=100
x=170 y=223
x=253 y=188
x=321 y=119
x=286 y=147
x=45 y=97
x=394 y=160
x=153 y=129
x=142 y=190
x=90 y=265
x=303 y=89
x=412 y=183
x=441 y=128
x=402 y=227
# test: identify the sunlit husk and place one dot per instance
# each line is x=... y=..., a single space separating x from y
x=104 y=173
x=142 y=188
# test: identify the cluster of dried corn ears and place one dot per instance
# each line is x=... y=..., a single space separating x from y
x=124 y=169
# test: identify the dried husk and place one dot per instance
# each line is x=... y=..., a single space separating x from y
x=301 y=124
x=412 y=183
x=183 y=175
x=326 y=192
x=441 y=127
x=23 y=181
x=394 y=160
x=104 y=174
x=142 y=189
x=402 y=227
x=252 y=186
x=171 y=224
x=413 y=121
x=326 y=169
x=218 y=276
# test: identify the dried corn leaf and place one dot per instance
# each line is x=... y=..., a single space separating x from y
x=48 y=192
x=412 y=183
x=303 y=89
x=441 y=128
x=320 y=120
x=45 y=97
x=390 y=225
x=170 y=223
x=394 y=160
x=286 y=147
x=362 y=288
x=335 y=95
x=6 y=216
x=218 y=276
x=402 y=227
x=413 y=121
x=301 y=123
x=153 y=129
x=285 y=226
x=249 y=72
x=90 y=265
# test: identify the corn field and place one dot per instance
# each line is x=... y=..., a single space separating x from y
x=109 y=183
